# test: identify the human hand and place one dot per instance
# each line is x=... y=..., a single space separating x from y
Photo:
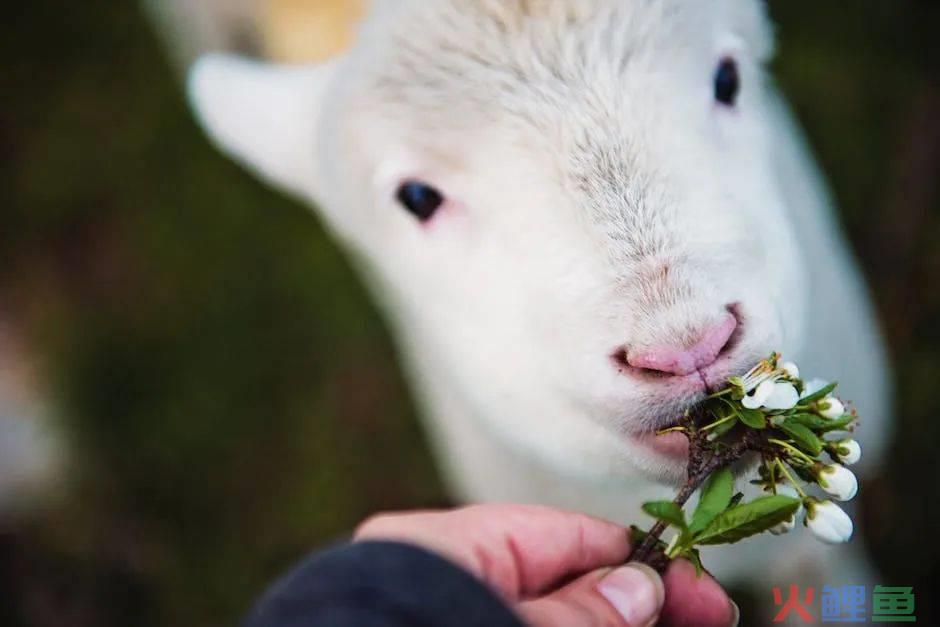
x=560 y=568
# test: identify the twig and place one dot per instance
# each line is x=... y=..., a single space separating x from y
x=699 y=468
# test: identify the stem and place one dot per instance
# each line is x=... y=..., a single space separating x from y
x=790 y=478
x=718 y=422
x=698 y=471
x=670 y=430
x=643 y=551
x=673 y=548
x=718 y=394
x=793 y=449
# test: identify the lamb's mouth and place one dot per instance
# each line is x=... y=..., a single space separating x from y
x=673 y=444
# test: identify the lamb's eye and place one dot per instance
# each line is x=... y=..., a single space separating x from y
x=420 y=199
x=727 y=82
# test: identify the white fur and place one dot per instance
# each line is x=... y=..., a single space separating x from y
x=597 y=198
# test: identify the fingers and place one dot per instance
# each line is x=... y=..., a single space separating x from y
x=623 y=597
x=520 y=550
x=695 y=601
x=631 y=596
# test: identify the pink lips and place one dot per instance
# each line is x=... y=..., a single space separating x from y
x=682 y=368
x=673 y=444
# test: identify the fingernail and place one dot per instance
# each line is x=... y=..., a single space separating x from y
x=636 y=592
x=735 y=614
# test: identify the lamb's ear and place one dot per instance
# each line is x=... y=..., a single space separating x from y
x=265 y=116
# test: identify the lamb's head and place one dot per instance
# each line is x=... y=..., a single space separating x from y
x=571 y=206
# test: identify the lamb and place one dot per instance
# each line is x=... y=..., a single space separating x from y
x=579 y=216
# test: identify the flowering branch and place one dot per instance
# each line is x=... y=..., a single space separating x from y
x=773 y=414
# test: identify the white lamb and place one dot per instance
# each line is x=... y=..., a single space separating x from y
x=580 y=215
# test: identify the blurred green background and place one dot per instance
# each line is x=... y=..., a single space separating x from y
x=230 y=396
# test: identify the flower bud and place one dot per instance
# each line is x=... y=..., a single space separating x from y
x=847 y=451
x=787 y=525
x=831 y=408
x=828 y=522
x=838 y=481
x=790 y=368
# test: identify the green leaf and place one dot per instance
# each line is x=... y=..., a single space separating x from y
x=666 y=511
x=822 y=425
x=838 y=424
x=803 y=436
x=810 y=421
x=754 y=418
x=715 y=497
x=748 y=519
x=812 y=398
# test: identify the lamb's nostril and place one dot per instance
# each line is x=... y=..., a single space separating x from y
x=671 y=360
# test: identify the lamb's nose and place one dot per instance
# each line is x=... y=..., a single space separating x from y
x=674 y=360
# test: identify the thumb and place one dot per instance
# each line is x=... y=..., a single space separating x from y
x=630 y=596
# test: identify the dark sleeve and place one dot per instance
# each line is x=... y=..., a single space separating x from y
x=379 y=584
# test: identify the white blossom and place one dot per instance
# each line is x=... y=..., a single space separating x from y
x=838 y=481
x=760 y=394
x=763 y=371
x=791 y=370
x=848 y=451
x=772 y=394
x=831 y=407
x=828 y=522
x=784 y=396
